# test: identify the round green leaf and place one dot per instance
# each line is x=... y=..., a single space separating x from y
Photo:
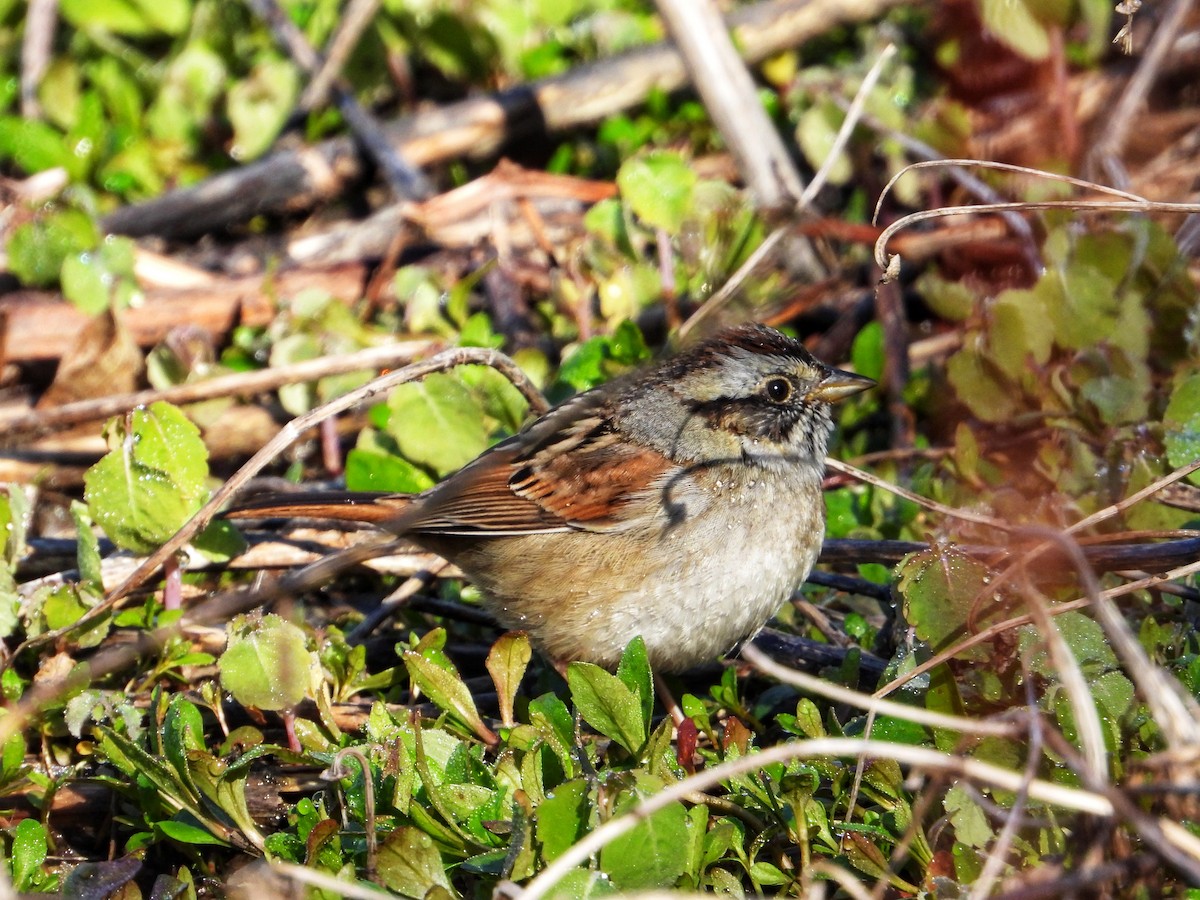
x=437 y=423
x=658 y=188
x=266 y=664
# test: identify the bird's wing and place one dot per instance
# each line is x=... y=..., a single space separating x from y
x=570 y=471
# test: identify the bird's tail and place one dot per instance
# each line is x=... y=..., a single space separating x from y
x=339 y=506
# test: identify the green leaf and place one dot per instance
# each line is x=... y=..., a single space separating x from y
x=658 y=188
x=867 y=352
x=648 y=855
x=187 y=833
x=1084 y=638
x=37 y=249
x=553 y=722
x=375 y=464
x=14 y=523
x=99 y=279
x=634 y=672
x=152 y=479
x=409 y=864
x=968 y=818
x=446 y=689
x=583 y=884
x=1082 y=304
x=816 y=133
x=29 y=848
x=952 y=300
x=87 y=552
x=938 y=587
x=506 y=663
x=437 y=423
x=1181 y=423
x=134 y=18
x=607 y=704
x=266 y=663
x=259 y=105
x=1014 y=24
x=1018 y=333
x=979 y=384
x=563 y=818
x=35 y=146
x=600 y=358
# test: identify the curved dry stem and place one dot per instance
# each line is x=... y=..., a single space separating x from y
x=962 y=163
x=1140 y=206
x=1133 y=499
x=933 y=505
x=41 y=421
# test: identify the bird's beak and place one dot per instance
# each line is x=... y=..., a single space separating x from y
x=838 y=385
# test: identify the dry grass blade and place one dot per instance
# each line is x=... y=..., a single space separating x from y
x=1083 y=704
x=1033 y=758
x=933 y=505
x=1178 y=716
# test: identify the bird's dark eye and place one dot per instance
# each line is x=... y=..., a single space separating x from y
x=778 y=389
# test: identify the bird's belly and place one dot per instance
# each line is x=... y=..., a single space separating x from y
x=691 y=591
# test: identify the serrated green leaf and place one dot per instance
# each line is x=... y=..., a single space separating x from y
x=1018 y=333
x=939 y=587
x=968 y=818
x=437 y=423
x=266 y=664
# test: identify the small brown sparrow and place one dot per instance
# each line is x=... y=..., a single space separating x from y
x=681 y=503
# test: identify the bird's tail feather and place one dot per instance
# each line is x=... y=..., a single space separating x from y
x=341 y=506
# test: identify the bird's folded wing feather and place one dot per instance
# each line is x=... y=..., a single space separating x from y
x=580 y=475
